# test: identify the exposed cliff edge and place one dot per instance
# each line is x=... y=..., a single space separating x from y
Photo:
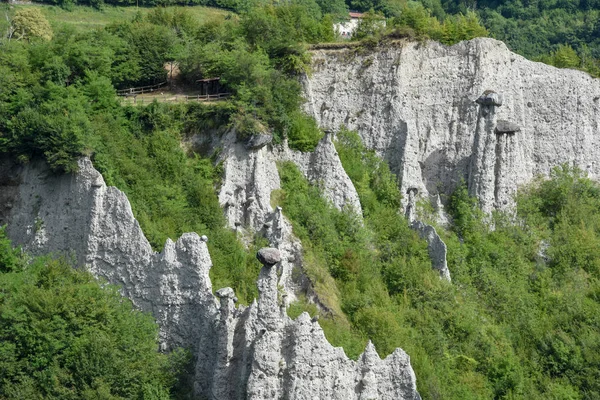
x=80 y=216
x=415 y=104
x=250 y=176
x=254 y=352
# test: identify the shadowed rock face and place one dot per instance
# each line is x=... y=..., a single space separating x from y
x=415 y=104
x=506 y=127
x=435 y=245
x=258 y=141
x=254 y=352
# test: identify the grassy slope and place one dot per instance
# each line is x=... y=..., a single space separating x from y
x=86 y=18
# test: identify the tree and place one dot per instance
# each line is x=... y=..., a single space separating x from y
x=30 y=23
x=565 y=57
x=372 y=24
x=152 y=45
x=335 y=7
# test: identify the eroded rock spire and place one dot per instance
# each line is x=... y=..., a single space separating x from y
x=492 y=172
x=254 y=352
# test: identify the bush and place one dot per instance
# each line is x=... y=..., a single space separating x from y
x=371 y=25
x=56 y=129
x=452 y=30
x=303 y=134
x=65 y=335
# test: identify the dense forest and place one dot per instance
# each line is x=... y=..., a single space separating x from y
x=561 y=33
x=521 y=318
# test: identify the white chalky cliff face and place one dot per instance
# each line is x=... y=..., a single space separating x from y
x=254 y=352
x=415 y=104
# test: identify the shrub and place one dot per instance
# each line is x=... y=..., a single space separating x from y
x=30 y=23
x=65 y=335
x=303 y=134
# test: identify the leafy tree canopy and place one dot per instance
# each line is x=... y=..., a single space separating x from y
x=30 y=23
x=63 y=335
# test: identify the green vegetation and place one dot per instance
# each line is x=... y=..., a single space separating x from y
x=57 y=102
x=369 y=263
x=258 y=69
x=140 y=152
x=64 y=335
x=520 y=317
x=414 y=21
x=536 y=30
x=84 y=18
x=546 y=31
x=101 y=4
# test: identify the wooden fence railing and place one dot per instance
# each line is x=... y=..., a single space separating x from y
x=174 y=99
x=140 y=90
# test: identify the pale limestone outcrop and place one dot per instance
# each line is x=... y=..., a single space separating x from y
x=414 y=103
x=435 y=247
x=78 y=215
x=278 y=230
x=324 y=168
x=250 y=176
x=254 y=352
x=291 y=359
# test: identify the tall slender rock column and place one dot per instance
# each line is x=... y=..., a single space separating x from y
x=264 y=381
x=482 y=180
x=493 y=161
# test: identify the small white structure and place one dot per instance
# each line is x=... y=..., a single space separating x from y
x=346 y=29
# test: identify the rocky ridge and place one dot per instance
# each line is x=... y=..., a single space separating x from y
x=78 y=215
x=254 y=352
x=284 y=358
x=250 y=176
x=415 y=104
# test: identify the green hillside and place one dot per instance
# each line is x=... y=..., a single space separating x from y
x=517 y=322
x=85 y=18
x=64 y=335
